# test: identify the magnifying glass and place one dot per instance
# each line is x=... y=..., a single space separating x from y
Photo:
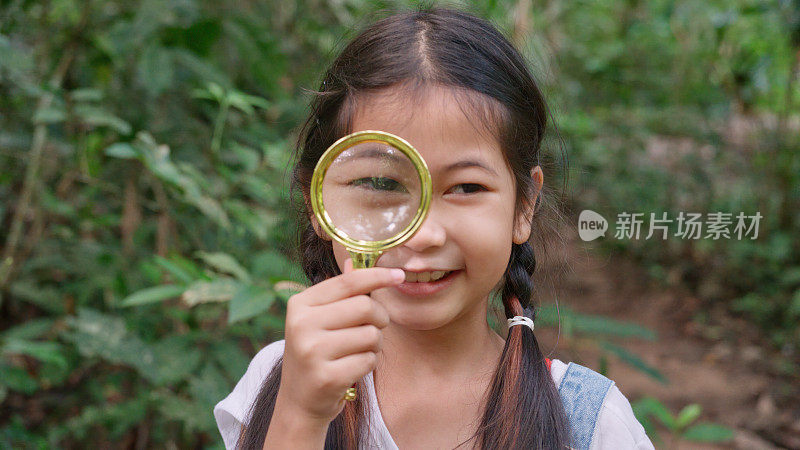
x=370 y=191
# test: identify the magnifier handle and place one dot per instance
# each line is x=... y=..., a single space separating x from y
x=350 y=394
x=364 y=260
x=361 y=260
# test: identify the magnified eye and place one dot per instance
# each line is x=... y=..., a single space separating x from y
x=379 y=184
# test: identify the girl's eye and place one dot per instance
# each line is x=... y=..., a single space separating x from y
x=469 y=188
x=379 y=184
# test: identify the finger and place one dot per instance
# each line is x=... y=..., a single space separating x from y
x=353 y=367
x=357 y=282
x=349 y=341
x=352 y=312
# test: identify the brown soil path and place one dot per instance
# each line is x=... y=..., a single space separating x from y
x=720 y=370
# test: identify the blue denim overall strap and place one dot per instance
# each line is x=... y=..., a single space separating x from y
x=583 y=392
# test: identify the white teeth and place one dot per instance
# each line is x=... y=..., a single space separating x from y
x=424 y=277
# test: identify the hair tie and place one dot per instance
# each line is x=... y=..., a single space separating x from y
x=520 y=320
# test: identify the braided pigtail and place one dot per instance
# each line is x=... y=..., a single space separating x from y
x=523 y=397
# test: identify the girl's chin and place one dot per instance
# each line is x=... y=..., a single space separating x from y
x=419 y=316
x=415 y=324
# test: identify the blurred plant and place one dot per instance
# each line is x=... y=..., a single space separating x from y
x=226 y=99
x=679 y=107
x=144 y=144
x=582 y=330
x=681 y=426
x=246 y=298
x=587 y=330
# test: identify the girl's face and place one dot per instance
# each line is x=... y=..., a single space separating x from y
x=471 y=223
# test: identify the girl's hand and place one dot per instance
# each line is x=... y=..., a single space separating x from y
x=333 y=334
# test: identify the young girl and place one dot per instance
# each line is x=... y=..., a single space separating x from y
x=412 y=333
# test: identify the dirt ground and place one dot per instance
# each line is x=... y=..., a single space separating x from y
x=720 y=365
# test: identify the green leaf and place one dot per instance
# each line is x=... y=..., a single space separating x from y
x=219 y=290
x=273 y=321
x=182 y=175
x=641 y=410
x=794 y=306
x=249 y=302
x=708 y=432
x=177 y=358
x=105 y=336
x=216 y=90
x=651 y=406
x=49 y=115
x=287 y=288
x=212 y=91
x=153 y=295
x=31 y=329
x=156 y=69
x=192 y=415
x=257 y=220
x=202 y=69
x=273 y=264
x=688 y=415
x=122 y=150
x=86 y=95
x=202 y=94
x=593 y=325
x=17 y=379
x=196 y=271
x=245 y=103
x=247 y=156
x=634 y=361
x=116 y=418
x=92 y=115
x=180 y=274
x=210 y=208
x=225 y=263
x=230 y=358
x=209 y=386
x=40 y=294
x=43 y=351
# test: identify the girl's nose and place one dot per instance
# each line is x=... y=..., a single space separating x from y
x=430 y=234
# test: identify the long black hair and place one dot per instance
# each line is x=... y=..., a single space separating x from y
x=409 y=51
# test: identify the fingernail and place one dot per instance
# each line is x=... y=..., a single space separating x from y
x=398 y=275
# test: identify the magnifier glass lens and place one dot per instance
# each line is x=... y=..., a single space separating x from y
x=371 y=191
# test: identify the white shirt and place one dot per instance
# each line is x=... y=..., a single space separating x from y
x=617 y=427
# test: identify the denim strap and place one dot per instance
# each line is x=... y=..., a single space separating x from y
x=582 y=392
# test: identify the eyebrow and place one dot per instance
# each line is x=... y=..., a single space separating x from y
x=470 y=163
x=377 y=152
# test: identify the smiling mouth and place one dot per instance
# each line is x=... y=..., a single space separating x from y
x=425 y=277
x=424 y=288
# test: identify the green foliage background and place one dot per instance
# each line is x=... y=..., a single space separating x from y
x=144 y=212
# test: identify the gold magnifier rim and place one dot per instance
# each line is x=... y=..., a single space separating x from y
x=322 y=168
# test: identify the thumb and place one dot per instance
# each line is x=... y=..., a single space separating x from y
x=348 y=265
